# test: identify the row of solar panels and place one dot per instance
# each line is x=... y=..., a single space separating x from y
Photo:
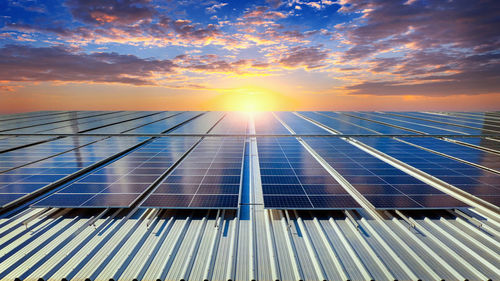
x=210 y=175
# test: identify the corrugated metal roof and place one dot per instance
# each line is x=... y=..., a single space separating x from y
x=273 y=245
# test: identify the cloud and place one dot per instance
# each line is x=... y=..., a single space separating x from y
x=308 y=57
x=213 y=8
x=430 y=24
x=115 y=11
x=423 y=47
x=476 y=74
x=263 y=12
x=36 y=64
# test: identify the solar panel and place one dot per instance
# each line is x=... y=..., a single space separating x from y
x=209 y=177
x=266 y=124
x=293 y=179
x=429 y=128
x=121 y=183
x=20 y=157
x=336 y=123
x=478 y=124
x=383 y=185
x=31 y=178
x=32 y=122
x=199 y=125
x=299 y=125
x=232 y=123
x=472 y=155
x=476 y=181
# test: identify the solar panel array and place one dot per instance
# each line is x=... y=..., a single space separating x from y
x=196 y=160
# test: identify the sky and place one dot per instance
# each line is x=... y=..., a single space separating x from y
x=249 y=55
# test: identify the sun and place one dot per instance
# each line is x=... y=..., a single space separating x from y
x=251 y=99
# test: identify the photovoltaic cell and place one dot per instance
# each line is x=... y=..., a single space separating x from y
x=266 y=124
x=121 y=183
x=199 y=125
x=30 y=178
x=19 y=157
x=209 y=177
x=476 y=181
x=293 y=179
x=469 y=154
x=384 y=186
x=299 y=125
x=232 y=123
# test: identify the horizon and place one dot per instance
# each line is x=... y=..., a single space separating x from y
x=249 y=56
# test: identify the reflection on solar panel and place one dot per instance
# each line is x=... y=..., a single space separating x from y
x=22 y=181
x=209 y=177
x=266 y=124
x=120 y=183
x=337 y=124
x=299 y=125
x=383 y=185
x=200 y=125
x=232 y=123
x=24 y=156
x=476 y=181
x=293 y=179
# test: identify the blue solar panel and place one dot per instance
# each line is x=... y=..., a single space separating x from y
x=200 y=125
x=299 y=125
x=31 y=178
x=476 y=181
x=121 y=183
x=266 y=124
x=469 y=154
x=335 y=122
x=20 y=157
x=391 y=191
x=291 y=177
x=232 y=123
x=209 y=177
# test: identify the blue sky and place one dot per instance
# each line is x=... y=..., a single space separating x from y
x=359 y=55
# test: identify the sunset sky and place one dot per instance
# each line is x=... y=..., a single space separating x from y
x=249 y=55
